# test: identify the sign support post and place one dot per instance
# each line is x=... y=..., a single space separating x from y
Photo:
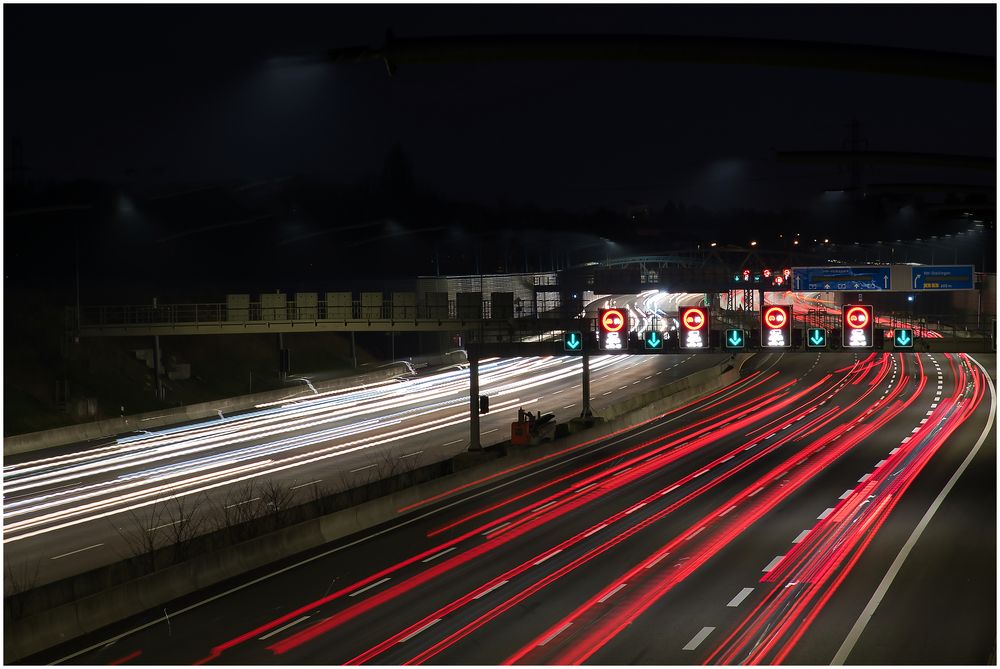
x=585 y=384
x=474 y=444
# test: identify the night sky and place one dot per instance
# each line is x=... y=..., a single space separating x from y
x=182 y=92
x=172 y=116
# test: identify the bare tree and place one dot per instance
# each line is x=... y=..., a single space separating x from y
x=184 y=520
x=144 y=531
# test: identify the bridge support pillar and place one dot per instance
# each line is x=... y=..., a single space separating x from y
x=157 y=367
x=283 y=358
x=354 y=352
x=474 y=444
x=585 y=384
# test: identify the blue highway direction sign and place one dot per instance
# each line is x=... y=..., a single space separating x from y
x=870 y=277
x=943 y=277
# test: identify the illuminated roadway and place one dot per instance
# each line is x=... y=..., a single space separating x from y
x=783 y=519
x=61 y=509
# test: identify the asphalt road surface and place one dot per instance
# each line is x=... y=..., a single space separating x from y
x=78 y=508
x=827 y=507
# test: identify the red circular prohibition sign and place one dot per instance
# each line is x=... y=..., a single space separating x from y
x=858 y=317
x=694 y=319
x=775 y=317
x=613 y=320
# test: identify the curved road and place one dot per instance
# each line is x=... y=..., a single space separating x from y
x=791 y=517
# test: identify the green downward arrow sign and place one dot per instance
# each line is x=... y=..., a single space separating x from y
x=573 y=341
x=654 y=339
x=903 y=337
x=817 y=337
x=735 y=339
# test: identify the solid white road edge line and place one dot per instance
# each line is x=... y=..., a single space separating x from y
x=904 y=552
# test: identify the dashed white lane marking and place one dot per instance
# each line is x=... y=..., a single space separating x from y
x=773 y=563
x=802 y=535
x=698 y=638
x=595 y=530
x=550 y=555
x=416 y=632
x=359 y=469
x=738 y=599
x=695 y=533
x=929 y=413
x=587 y=487
x=622 y=387
x=282 y=629
x=437 y=555
x=607 y=393
x=727 y=511
x=894 y=451
x=488 y=591
x=915 y=430
x=826 y=513
x=493 y=430
x=934 y=406
x=303 y=485
x=410 y=455
x=494 y=529
x=846 y=494
x=160 y=527
x=755 y=491
x=569 y=406
x=79 y=550
x=905 y=439
x=608 y=596
x=554 y=634
x=370 y=586
x=457 y=441
x=652 y=563
x=703 y=471
x=879 y=464
x=545 y=506
x=635 y=508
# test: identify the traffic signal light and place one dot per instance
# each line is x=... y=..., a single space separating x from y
x=573 y=341
x=484 y=404
x=694 y=327
x=858 y=326
x=776 y=326
x=735 y=339
x=815 y=337
x=653 y=340
x=902 y=338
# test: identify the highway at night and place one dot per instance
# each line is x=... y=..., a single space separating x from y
x=63 y=508
x=766 y=522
